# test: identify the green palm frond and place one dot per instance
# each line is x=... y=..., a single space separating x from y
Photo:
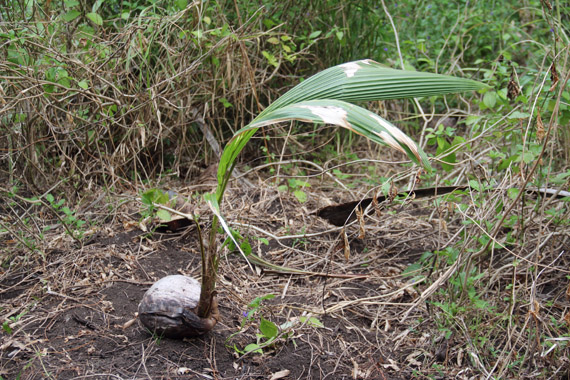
x=367 y=80
x=346 y=115
x=325 y=97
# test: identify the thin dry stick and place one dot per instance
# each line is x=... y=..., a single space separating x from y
x=344 y=304
x=311 y=163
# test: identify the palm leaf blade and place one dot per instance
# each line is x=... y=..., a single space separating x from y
x=346 y=115
x=367 y=80
x=363 y=80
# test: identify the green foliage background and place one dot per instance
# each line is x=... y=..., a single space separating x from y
x=116 y=91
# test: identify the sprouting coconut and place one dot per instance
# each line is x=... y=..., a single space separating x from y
x=178 y=306
x=169 y=308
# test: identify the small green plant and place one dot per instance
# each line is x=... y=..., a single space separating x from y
x=296 y=186
x=269 y=334
x=237 y=238
x=268 y=329
x=300 y=243
x=73 y=225
x=150 y=198
x=157 y=338
x=446 y=141
x=255 y=306
x=267 y=337
x=6 y=326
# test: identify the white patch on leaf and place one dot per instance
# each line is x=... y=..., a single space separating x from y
x=330 y=115
x=394 y=135
x=350 y=68
x=390 y=141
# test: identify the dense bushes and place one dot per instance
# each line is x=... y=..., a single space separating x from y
x=112 y=91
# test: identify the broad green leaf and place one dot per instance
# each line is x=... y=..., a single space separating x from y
x=412 y=269
x=6 y=327
x=475 y=185
x=443 y=146
x=97 y=20
x=162 y=197
x=18 y=55
x=268 y=328
x=294 y=182
x=246 y=247
x=300 y=195
x=472 y=119
x=97 y=5
x=269 y=23
x=313 y=321
x=364 y=80
x=518 y=115
x=49 y=88
x=64 y=82
x=270 y=58
x=253 y=348
x=71 y=15
x=315 y=34
x=560 y=178
x=528 y=157
x=368 y=80
x=181 y=4
x=83 y=84
x=343 y=114
x=163 y=215
x=226 y=103
x=490 y=99
x=148 y=197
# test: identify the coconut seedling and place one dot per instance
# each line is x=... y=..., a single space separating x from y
x=326 y=97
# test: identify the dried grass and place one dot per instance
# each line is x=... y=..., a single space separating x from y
x=149 y=87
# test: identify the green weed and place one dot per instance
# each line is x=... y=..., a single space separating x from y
x=267 y=334
x=74 y=226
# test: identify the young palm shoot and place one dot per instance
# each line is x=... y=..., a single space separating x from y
x=325 y=98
